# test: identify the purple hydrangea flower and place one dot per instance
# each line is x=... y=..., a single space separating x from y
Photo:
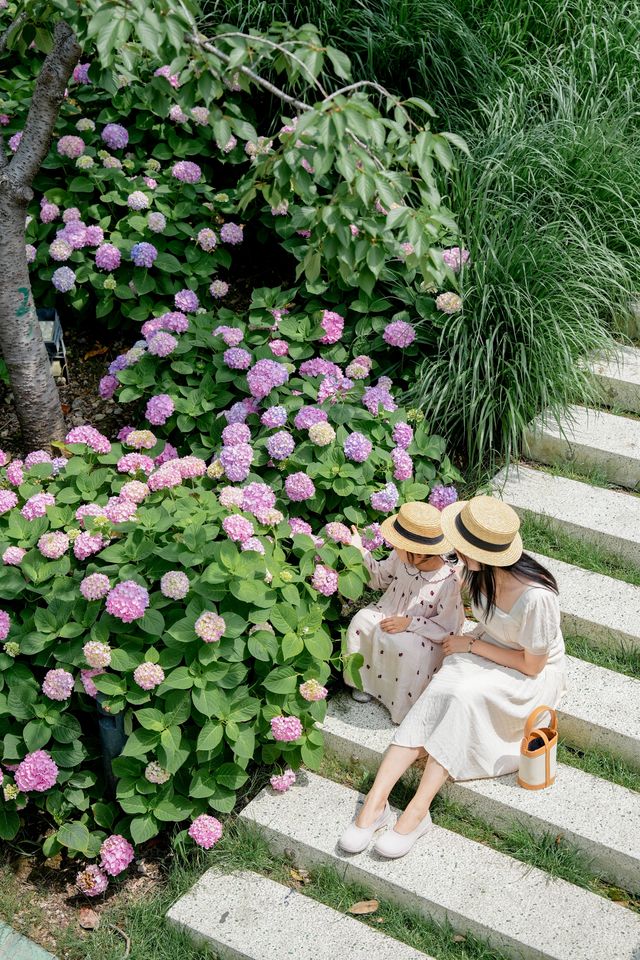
x=237 y=359
x=63 y=279
x=307 y=416
x=280 y=445
x=186 y=171
x=402 y=435
x=115 y=136
x=232 y=233
x=143 y=254
x=274 y=417
x=159 y=409
x=265 y=376
x=357 y=447
x=219 y=289
x=127 y=601
x=399 y=334
x=186 y=300
x=333 y=324
x=385 y=500
x=299 y=487
x=108 y=257
x=162 y=344
x=441 y=496
x=402 y=464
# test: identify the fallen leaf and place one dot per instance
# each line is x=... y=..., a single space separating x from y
x=54 y=863
x=379 y=919
x=24 y=867
x=458 y=938
x=97 y=351
x=300 y=875
x=88 y=918
x=66 y=408
x=363 y=906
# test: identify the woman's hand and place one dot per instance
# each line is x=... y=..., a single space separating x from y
x=455 y=644
x=395 y=624
x=356 y=540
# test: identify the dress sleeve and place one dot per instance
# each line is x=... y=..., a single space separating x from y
x=446 y=617
x=381 y=572
x=540 y=622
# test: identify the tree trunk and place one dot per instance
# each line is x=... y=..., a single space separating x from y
x=35 y=393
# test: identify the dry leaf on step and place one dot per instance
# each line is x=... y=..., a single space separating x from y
x=363 y=906
x=88 y=918
x=300 y=875
x=97 y=351
x=54 y=863
x=458 y=938
x=24 y=867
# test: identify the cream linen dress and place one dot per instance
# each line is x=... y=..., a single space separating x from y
x=472 y=716
x=398 y=666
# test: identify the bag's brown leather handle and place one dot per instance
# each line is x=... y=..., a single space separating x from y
x=532 y=720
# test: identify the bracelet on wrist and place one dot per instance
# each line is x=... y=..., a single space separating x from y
x=472 y=640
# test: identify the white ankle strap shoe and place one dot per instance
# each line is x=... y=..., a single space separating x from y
x=393 y=844
x=356 y=839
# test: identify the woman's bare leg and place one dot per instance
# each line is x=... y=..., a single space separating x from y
x=395 y=762
x=432 y=780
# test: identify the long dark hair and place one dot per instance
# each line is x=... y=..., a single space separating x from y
x=482 y=583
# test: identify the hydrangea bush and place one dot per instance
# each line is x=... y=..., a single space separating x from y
x=127 y=581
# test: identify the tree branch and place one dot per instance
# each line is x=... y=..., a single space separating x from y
x=45 y=105
x=277 y=46
x=211 y=48
x=381 y=90
x=4 y=39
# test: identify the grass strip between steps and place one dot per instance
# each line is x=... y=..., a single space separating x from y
x=549 y=852
x=593 y=476
x=600 y=764
x=620 y=657
x=540 y=537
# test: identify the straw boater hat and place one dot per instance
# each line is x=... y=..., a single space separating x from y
x=485 y=529
x=416 y=528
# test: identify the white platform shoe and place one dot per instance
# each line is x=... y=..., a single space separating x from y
x=356 y=839
x=393 y=844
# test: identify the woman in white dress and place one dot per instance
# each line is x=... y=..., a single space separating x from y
x=400 y=636
x=470 y=719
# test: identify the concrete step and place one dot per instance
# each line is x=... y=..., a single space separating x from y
x=601 y=710
x=244 y=916
x=619 y=379
x=476 y=889
x=589 y=440
x=601 y=608
x=600 y=818
x=609 y=519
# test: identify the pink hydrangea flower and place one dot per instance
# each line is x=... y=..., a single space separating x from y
x=252 y=544
x=156 y=222
x=154 y=773
x=127 y=601
x=138 y=200
x=57 y=684
x=186 y=300
x=306 y=417
x=210 y=627
x=191 y=467
x=186 y=171
x=141 y=439
x=237 y=359
x=205 y=831
x=166 y=476
x=375 y=397
x=237 y=528
x=399 y=334
x=120 y=509
x=357 y=447
x=231 y=497
x=60 y=250
x=402 y=464
x=441 y=497
x=219 y=289
x=81 y=73
x=133 y=462
x=14 y=474
x=116 y=854
x=236 y=433
x=454 y=257
x=449 y=302
x=265 y=376
x=159 y=409
x=162 y=344
x=174 y=584
x=53 y=545
x=86 y=544
x=274 y=417
x=299 y=526
x=37 y=772
x=299 y=487
x=35 y=457
x=372 y=537
x=385 y=500
x=333 y=325
x=236 y=461
x=207 y=240
x=177 y=114
x=115 y=136
x=91 y=437
x=148 y=675
x=282 y=781
x=95 y=587
x=92 y=881
x=280 y=445
x=36 y=506
x=279 y=348
x=232 y=233
x=338 y=532
x=8 y=498
x=12 y=556
x=134 y=490
x=48 y=211
x=88 y=510
x=86 y=676
x=258 y=499
x=14 y=141
x=97 y=654
x=5 y=624
x=108 y=257
x=324 y=580
x=232 y=336
x=286 y=729
x=312 y=690
x=402 y=435
x=172 y=78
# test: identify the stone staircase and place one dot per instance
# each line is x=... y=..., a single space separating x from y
x=516 y=908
